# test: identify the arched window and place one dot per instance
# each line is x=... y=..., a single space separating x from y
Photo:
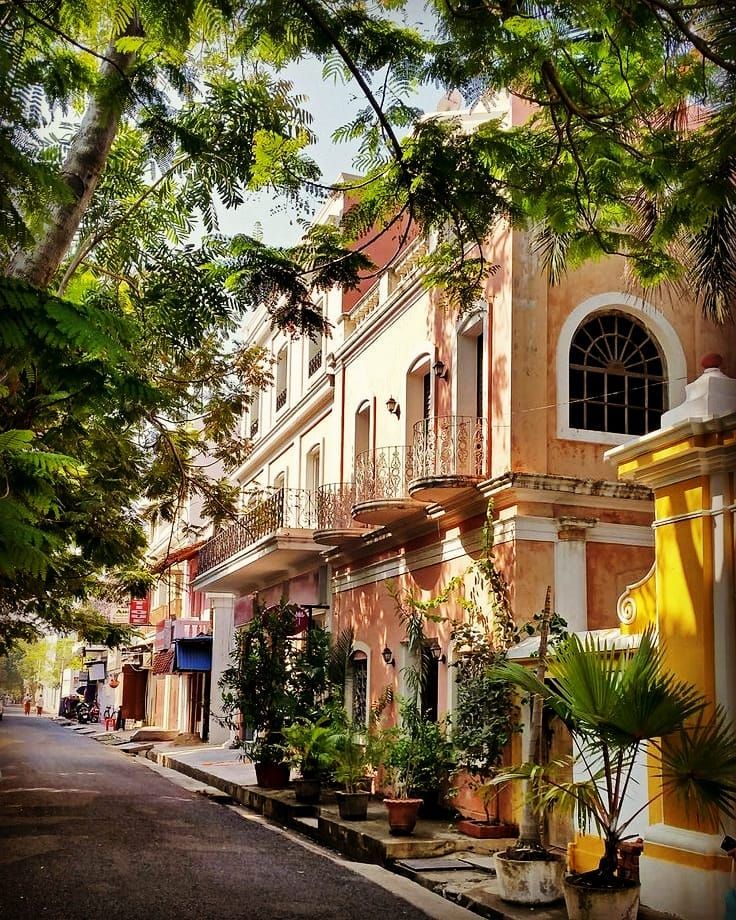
x=314 y=469
x=358 y=687
x=281 y=378
x=617 y=376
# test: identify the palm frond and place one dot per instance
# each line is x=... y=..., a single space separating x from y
x=699 y=765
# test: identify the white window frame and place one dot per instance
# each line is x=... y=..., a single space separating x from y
x=658 y=327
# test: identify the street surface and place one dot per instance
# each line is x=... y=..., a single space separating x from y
x=86 y=833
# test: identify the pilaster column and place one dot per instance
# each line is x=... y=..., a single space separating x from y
x=571 y=578
x=223 y=613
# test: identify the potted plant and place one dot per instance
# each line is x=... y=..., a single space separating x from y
x=485 y=718
x=353 y=760
x=528 y=873
x=621 y=705
x=310 y=748
x=417 y=759
x=262 y=689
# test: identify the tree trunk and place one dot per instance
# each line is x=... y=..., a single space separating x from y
x=529 y=833
x=81 y=170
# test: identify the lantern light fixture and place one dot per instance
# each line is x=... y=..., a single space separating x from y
x=388 y=657
x=393 y=407
x=440 y=369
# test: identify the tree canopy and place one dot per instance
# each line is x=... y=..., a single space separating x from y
x=126 y=127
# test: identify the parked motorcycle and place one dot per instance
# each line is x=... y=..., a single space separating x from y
x=94 y=712
x=82 y=712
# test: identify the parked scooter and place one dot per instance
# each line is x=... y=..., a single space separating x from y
x=82 y=712
x=94 y=712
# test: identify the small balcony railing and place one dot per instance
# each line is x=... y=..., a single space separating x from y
x=333 y=504
x=384 y=474
x=254 y=428
x=450 y=446
x=280 y=399
x=285 y=508
x=315 y=362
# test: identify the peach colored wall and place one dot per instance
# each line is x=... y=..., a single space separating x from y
x=610 y=569
x=534 y=571
x=158 y=703
x=536 y=364
x=174 y=701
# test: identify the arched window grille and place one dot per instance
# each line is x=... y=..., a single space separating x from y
x=617 y=376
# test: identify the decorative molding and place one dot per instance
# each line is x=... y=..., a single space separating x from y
x=626 y=604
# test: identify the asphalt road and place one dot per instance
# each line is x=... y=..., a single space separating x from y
x=86 y=833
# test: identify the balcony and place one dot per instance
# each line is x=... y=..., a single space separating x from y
x=449 y=457
x=270 y=540
x=382 y=479
x=335 y=523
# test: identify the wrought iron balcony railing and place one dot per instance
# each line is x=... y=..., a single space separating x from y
x=384 y=474
x=450 y=445
x=285 y=508
x=334 y=503
x=280 y=399
x=315 y=362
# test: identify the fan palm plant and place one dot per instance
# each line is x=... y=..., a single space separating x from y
x=618 y=705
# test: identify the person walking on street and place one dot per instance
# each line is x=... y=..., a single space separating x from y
x=27 y=704
x=39 y=704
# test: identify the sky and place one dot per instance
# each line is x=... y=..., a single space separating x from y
x=331 y=105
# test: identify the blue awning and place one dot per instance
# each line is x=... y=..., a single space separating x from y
x=193 y=654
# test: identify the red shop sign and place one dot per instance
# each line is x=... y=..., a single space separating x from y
x=138 y=611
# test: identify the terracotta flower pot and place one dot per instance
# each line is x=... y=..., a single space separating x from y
x=402 y=815
x=353 y=806
x=272 y=775
x=589 y=902
x=482 y=830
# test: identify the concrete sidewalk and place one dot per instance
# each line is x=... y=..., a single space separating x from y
x=435 y=856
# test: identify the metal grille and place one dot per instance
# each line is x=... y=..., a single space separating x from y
x=315 y=362
x=383 y=474
x=359 y=668
x=285 y=508
x=281 y=399
x=333 y=505
x=451 y=445
x=616 y=376
x=254 y=428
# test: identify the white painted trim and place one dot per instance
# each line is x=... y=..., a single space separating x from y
x=659 y=327
x=723 y=596
x=718 y=511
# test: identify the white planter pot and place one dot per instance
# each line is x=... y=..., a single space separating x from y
x=584 y=903
x=533 y=881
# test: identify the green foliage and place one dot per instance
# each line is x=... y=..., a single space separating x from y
x=310 y=747
x=272 y=682
x=620 y=705
x=417 y=754
x=356 y=754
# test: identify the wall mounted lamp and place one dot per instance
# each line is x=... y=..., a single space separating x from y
x=440 y=369
x=393 y=407
x=436 y=652
x=388 y=657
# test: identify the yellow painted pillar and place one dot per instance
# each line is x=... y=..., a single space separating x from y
x=690 y=466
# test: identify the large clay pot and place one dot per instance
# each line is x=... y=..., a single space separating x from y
x=272 y=775
x=530 y=881
x=353 y=806
x=584 y=902
x=402 y=815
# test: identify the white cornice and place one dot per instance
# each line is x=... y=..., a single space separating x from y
x=535 y=529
